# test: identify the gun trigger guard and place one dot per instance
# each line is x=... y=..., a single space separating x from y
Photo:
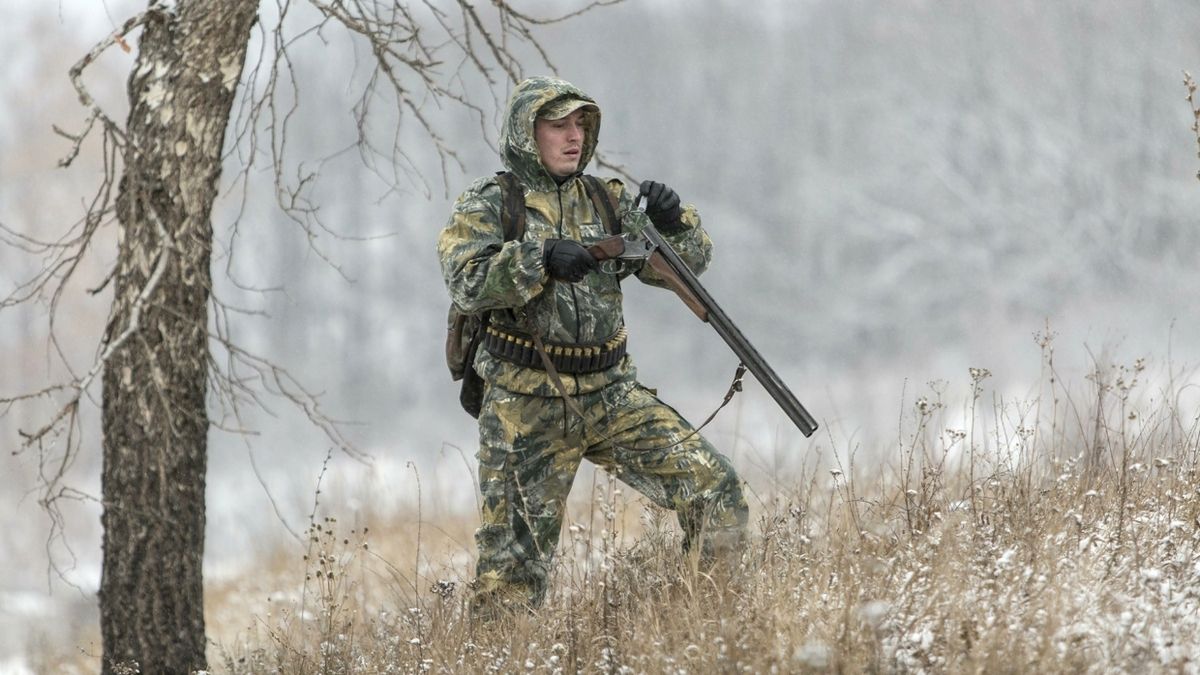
x=612 y=266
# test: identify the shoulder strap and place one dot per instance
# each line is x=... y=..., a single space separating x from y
x=512 y=205
x=604 y=202
x=512 y=209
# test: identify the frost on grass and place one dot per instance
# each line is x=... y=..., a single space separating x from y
x=1020 y=543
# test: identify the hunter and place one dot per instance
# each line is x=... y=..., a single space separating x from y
x=531 y=438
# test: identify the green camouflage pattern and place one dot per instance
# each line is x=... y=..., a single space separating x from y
x=518 y=147
x=483 y=272
x=530 y=443
x=530 y=449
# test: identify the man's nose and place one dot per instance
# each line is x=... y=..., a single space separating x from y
x=576 y=132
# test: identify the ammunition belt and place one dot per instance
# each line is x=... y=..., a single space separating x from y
x=519 y=349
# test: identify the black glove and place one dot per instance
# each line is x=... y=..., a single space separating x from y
x=662 y=205
x=568 y=260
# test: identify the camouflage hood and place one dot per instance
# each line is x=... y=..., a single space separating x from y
x=518 y=147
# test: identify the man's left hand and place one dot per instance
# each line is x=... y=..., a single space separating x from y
x=662 y=205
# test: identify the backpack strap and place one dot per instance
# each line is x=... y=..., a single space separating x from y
x=512 y=205
x=604 y=202
x=512 y=220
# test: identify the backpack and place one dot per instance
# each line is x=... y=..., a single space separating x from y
x=465 y=330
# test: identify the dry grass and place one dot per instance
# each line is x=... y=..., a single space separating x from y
x=1056 y=535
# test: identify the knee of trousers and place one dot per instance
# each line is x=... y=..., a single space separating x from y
x=718 y=486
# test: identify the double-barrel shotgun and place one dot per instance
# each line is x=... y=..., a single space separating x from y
x=641 y=243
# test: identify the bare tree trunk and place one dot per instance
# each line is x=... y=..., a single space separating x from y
x=155 y=383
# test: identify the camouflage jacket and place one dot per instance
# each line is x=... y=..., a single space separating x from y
x=483 y=272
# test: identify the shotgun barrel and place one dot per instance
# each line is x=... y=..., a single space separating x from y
x=665 y=256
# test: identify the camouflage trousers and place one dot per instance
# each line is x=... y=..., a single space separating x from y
x=530 y=450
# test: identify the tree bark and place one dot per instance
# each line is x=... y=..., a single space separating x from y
x=155 y=421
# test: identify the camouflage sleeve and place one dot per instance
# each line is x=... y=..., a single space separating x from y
x=691 y=242
x=481 y=270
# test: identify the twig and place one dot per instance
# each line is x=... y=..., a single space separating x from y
x=135 y=314
x=1191 y=99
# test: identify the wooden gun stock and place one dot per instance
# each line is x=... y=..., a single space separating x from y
x=607 y=249
x=660 y=264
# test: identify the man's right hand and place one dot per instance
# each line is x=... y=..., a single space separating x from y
x=567 y=260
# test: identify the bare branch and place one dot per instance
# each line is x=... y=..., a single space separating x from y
x=80 y=385
x=618 y=169
x=503 y=58
x=422 y=60
x=85 y=99
x=279 y=382
x=507 y=8
x=1195 y=106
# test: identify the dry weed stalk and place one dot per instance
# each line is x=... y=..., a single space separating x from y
x=1050 y=535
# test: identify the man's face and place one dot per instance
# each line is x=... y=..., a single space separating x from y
x=560 y=143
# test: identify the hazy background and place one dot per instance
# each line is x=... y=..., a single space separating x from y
x=898 y=190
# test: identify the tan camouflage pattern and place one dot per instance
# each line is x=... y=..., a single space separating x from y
x=518 y=147
x=530 y=449
x=530 y=444
x=560 y=108
x=482 y=271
